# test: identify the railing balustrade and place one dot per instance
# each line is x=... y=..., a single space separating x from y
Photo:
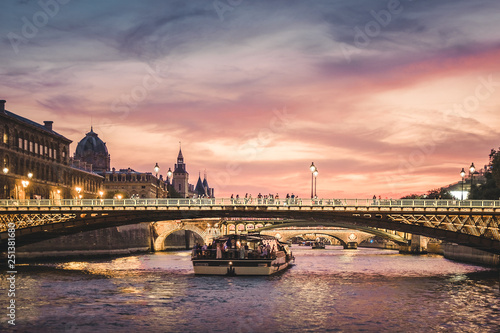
x=201 y=202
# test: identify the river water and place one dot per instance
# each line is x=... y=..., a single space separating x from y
x=332 y=290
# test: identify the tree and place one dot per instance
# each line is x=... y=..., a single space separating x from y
x=490 y=190
x=495 y=166
x=438 y=193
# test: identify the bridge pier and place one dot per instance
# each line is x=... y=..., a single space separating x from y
x=351 y=246
x=417 y=245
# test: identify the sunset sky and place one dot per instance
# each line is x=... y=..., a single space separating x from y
x=386 y=97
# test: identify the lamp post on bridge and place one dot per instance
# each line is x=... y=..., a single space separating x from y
x=157 y=169
x=30 y=175
x=169 y=179
x=472 y=169
x=78 y=190
x=313 y=171
x=462 y=174
x=6 y=186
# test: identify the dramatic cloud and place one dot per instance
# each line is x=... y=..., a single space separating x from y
x=387 y=97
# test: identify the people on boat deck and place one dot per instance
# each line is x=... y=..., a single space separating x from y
x=237 y=248
x=219 y=252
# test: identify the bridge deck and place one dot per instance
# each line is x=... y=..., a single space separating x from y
x=470 y=222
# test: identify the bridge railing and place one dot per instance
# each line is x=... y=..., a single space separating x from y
x=189 y=202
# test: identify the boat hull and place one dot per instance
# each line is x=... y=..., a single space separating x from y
x=238 y=267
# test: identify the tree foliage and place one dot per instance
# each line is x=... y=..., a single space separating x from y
x=490 y=190
x=438 y=193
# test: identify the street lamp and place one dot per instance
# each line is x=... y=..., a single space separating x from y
x=313 y=170
x=157 y=169
x=315 y=173
x=169 y=180
x=5 y=170
x=472 y=169
x=25 y=185
x=30 y=175
x=169 y=175
x=462 y=174
x=78 y=190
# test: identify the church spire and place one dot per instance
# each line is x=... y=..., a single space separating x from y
x=180 y=158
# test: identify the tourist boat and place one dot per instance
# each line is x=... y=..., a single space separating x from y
x=318 y=245
x=249 y=254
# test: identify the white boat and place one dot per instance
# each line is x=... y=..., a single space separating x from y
x=251 y=254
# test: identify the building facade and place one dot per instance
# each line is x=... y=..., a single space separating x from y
x=36 y=163
x=180 y=182
x=92 y=154
x=128 y=183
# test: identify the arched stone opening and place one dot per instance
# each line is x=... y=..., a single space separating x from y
x=179 y=237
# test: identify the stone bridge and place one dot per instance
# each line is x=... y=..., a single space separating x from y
x=348 y=238
x=470 y=223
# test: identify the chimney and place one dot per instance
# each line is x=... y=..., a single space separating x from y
x=2 y=105
x=48 y=125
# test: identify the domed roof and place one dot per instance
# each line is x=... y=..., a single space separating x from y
x=91 y=143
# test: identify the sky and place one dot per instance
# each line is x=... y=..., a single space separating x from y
x=387 y=98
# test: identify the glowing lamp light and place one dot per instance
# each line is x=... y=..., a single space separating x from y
x=472 y=168
x=462 y=173
x=169 y=173
x=157 y=169
x=5 y=170
x=30 y=175
x=25 y=183
x=312 y=167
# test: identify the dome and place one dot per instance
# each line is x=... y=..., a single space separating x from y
x=93 y=150
x=91 y=143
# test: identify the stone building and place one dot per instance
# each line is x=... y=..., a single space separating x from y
x=180 y=182
x=180 y=179
x=202 y=189
x=132 y=184
x=93 y=151
x=36 y=163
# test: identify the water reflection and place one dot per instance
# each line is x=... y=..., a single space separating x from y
x=332 y=289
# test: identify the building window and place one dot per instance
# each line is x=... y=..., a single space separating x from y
x=5 y=137
x=20 y=144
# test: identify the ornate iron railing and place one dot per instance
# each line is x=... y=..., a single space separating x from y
x=251 y=202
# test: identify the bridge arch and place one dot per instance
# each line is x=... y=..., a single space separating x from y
x=165 y=228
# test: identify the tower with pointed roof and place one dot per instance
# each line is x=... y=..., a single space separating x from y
x=180 y=177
